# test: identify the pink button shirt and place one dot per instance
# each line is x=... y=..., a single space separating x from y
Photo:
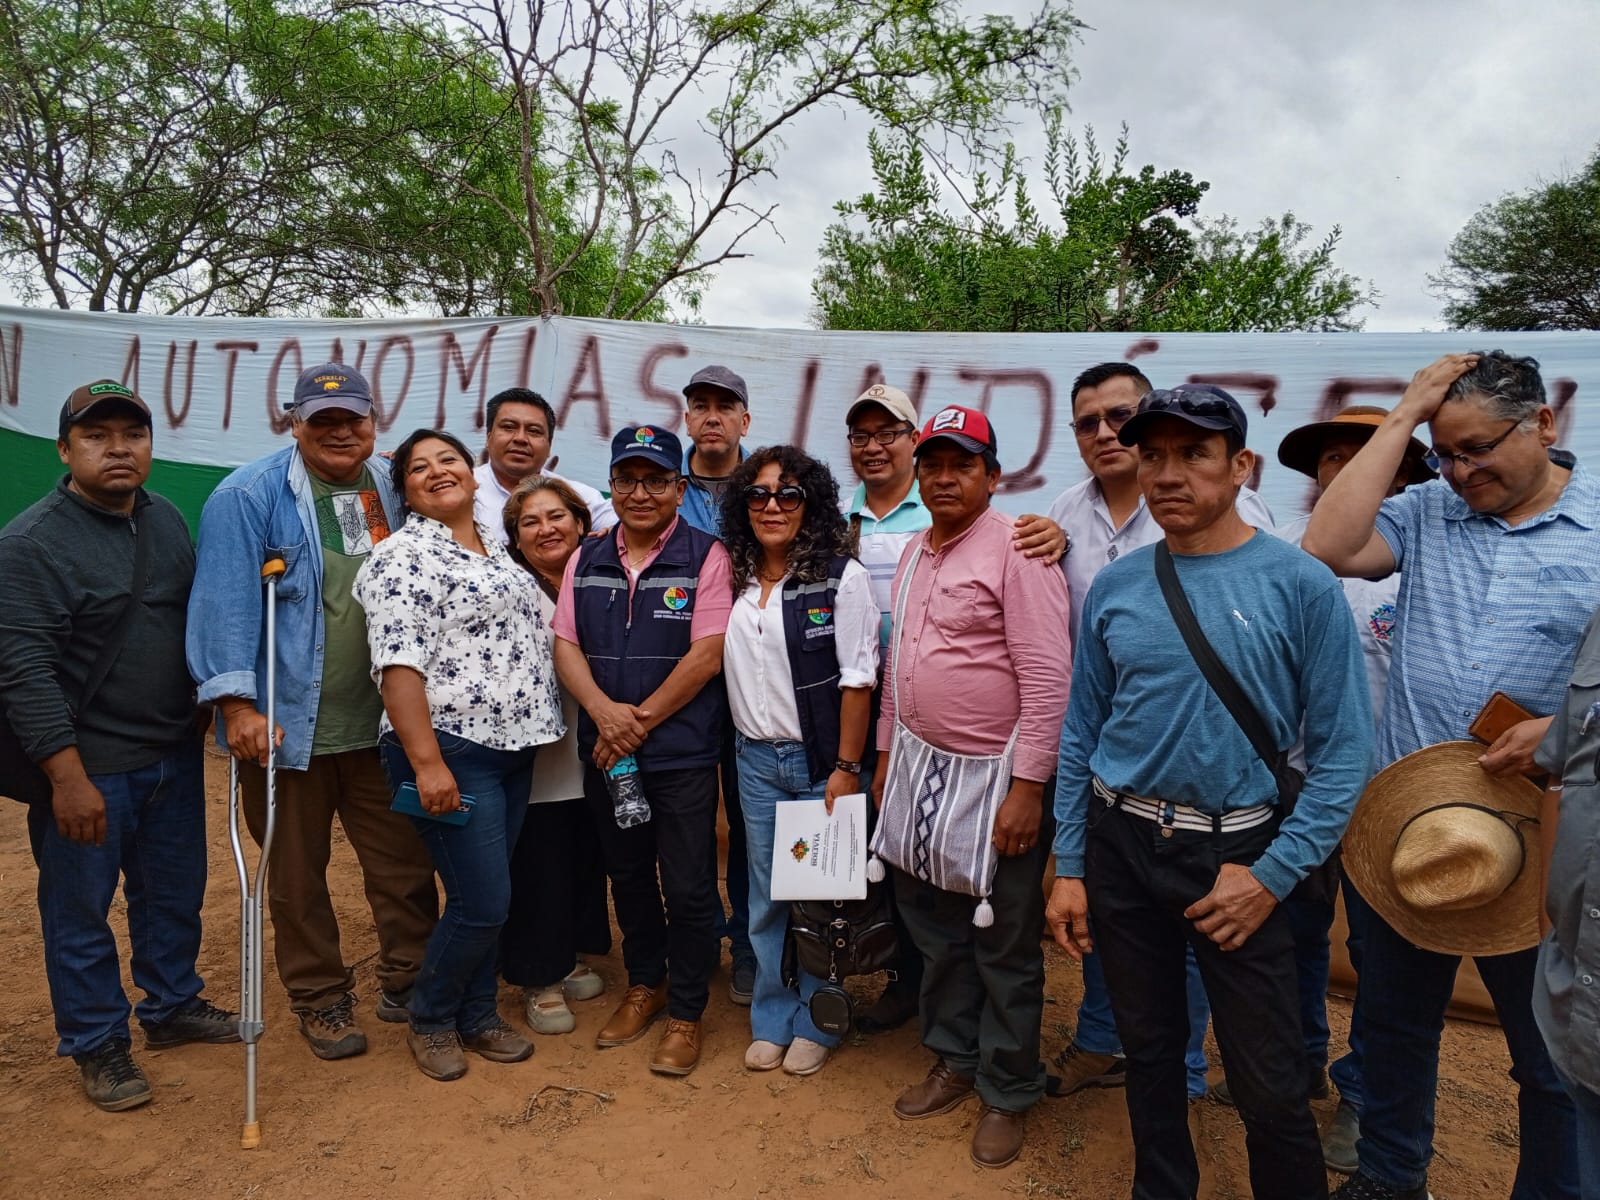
x=983 y=645
x=713 y=597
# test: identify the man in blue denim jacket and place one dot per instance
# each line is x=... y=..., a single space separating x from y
x=320 y=505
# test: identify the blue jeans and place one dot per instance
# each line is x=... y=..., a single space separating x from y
x=156 y=840
x=1096 y=1031
x=769 y=774
x=456 y=987
x=1404 y=992
x=1588 y=1105
x=1345 y=1071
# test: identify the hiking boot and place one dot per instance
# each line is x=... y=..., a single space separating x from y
x=1339 y=1140
x=197 y=1021
x=111 y=1078
x=1365 y=1187
x=394 y=1007
x=499 y=1043
x=742 y=983
x=332 y=1031
x=1082 y=1068
x=438 y=1054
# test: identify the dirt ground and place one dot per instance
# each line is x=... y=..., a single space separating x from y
x=577 y=1122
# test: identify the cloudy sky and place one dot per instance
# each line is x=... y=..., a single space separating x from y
x=1393 y=120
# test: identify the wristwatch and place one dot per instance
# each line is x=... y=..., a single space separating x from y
x=844 y=764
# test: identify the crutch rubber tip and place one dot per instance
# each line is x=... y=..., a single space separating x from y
x=250 y=1138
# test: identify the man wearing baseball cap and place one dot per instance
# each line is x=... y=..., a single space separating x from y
x=94 y=689
x=886 y=513
x=975 y=686
x=1163 y=784
x=320 y=504
x=639 y=626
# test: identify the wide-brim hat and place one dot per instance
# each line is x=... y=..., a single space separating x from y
x=1449 y=854
x=1301 y=447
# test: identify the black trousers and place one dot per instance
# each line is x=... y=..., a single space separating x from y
x=1139 y=882
x=558 y=895
x=658 y=876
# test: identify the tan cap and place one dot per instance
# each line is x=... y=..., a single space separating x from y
x=887 y=397
x=1448 y=854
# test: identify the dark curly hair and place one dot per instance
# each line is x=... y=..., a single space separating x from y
x=823 y=533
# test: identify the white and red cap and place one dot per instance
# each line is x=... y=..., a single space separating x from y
x=966 y=427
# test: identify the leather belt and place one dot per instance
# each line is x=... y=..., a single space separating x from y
x=1183 y=816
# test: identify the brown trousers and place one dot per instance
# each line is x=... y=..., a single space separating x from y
x=395 y=870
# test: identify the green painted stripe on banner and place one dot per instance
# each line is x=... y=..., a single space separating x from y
x=30 y=466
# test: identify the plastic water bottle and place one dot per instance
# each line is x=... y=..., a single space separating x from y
x=627 y=793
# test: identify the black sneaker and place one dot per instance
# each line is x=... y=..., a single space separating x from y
x=896 y=1005
x=332 y=1031
x=392 y=1006
x=111 y=1078
x=1365 y=1187
x=198 y=1021
x=742 y=983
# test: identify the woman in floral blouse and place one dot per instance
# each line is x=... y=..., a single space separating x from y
x=461 y=656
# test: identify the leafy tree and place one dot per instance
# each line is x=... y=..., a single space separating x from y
x=1528 y=261
x=601 y=93
x=1129 y=253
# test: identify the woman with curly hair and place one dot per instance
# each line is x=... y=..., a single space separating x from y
x=800 y=660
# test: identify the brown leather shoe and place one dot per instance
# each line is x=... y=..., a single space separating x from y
x=941 y=1091
x=679 y=1049
x=998 y=1139
x=633 y=1016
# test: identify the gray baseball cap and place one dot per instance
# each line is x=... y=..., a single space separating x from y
x=719 y=377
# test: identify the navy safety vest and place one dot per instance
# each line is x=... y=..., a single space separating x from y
x=809 y=636
x=633 y=646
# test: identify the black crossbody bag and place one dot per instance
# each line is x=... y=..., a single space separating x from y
x=1322 y=884
x=20 y=776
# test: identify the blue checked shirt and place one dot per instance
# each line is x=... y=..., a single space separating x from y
x=1483 y=607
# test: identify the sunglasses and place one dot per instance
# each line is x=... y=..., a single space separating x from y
x=1115 y=419
x=788 y=497
x=1193 y=401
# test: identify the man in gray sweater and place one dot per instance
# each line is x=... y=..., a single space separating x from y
x=94 y=685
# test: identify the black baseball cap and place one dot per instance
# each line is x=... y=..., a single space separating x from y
x=1202 y=404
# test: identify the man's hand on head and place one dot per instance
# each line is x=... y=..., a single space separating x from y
x=1426 y=391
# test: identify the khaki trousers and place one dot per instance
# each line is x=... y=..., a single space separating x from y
x=395 y=870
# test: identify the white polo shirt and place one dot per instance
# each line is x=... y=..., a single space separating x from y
x=489 y=505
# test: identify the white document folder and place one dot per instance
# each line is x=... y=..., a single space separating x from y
x=816 y=856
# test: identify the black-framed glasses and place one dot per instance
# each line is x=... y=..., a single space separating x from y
x=1473 y=457
x=884 y=437
x=621 y=485
x=788 y=497
x=1088 y=425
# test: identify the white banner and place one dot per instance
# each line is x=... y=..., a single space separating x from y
x=217 y=385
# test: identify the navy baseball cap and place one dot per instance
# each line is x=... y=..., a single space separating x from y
x=1202 y=404
x=332 y=385
x=659 y=446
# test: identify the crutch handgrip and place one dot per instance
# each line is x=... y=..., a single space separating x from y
x=273 y=567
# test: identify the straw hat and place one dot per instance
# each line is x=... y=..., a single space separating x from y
x=1448 y=854
x=1301 y=447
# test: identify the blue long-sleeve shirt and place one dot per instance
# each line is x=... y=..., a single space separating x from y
x=1142 y=717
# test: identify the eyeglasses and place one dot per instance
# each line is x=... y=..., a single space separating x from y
x=1115 y=419
x=1472 y=458
x=621 y=485
x=788 y=497
x=884 y=437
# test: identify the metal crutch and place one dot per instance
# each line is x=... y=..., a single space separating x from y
x=251 y=1023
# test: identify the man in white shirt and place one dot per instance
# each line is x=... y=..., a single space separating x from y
x=522 y=426
x=1105 y=516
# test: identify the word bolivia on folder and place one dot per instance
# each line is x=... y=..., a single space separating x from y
x=817 y=856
